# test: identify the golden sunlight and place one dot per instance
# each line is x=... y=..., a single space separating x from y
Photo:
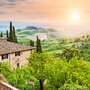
x=75 y=15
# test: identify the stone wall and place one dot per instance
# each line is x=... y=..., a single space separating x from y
x=14 y=60
x=21 y=60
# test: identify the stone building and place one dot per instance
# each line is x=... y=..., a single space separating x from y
x=14 y=53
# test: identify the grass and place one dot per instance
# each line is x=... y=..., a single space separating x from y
x=56 y=51
x=23 y=41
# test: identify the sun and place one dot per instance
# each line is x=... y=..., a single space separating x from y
x=75 y=15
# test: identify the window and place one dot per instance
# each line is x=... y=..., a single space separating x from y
x=4 y=56
x=17 y=53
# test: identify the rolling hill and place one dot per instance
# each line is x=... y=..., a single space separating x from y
x=30 y=32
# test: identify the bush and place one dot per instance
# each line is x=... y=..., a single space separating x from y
x=72 y=87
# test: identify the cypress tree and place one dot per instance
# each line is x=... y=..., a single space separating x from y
x=14 y=35
x=38 y=46
x=11 y=33
x=31 y=43
x=1 y=34
x=7 y=35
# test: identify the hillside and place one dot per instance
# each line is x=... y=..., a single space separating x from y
x=52 y=39
x=30 y=32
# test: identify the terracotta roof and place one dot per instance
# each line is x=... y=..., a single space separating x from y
x=10 y=47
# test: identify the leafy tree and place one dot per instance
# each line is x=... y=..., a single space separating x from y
x=5 y=69
x=38 y=63
x=31 y=43
x=70 y=53
x=64 y=40
x=77 y=39
x=76 y=71
x=85 y=51
x=20 y=77
x=87 y=36
x=57 y=73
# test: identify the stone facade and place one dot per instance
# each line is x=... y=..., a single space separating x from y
x=18 y=60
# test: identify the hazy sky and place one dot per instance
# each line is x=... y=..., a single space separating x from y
x=72 y=11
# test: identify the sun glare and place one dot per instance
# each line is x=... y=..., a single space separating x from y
x=74 y=15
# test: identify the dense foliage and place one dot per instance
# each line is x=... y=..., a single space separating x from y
x=58 y=74
x=70 y=53
x=85 y=51
x=20 y=78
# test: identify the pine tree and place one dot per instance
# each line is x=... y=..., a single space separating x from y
x=14 y=35
x=31 y=43
x=38 y=46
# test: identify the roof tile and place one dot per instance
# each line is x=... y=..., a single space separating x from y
x=10 y=47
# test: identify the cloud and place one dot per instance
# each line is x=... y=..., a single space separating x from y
x=10 y=2
x=19 y=11
x=2 y=12
x=15 y=0
x=5 y=3
x=2 y=3
x=23 y=1
x=42 y=13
